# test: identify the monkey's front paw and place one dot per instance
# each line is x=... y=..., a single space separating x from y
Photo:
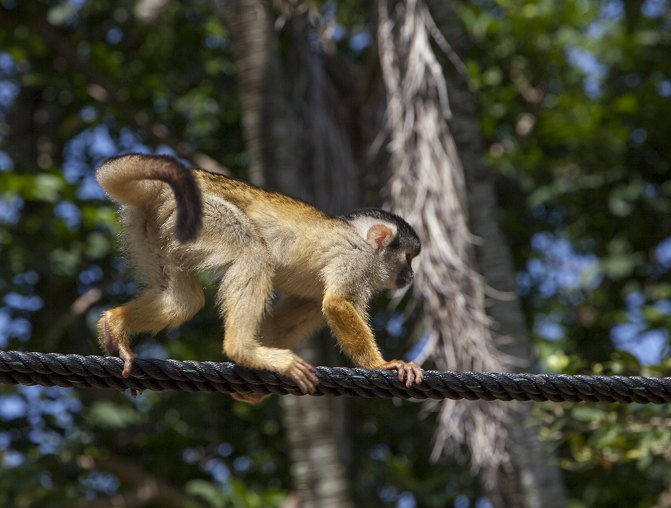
x=302 y=373
x=250 y=398
x=410 y=371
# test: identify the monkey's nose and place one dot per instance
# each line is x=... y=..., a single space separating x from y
x=404 y=278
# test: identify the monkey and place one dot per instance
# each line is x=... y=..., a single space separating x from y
x=180 y=221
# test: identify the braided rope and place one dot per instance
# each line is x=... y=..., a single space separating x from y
x=53 y=369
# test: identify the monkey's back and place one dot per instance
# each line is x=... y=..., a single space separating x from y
x=301 y=238
x=246 y=195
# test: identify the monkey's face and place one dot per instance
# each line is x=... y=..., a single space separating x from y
x=398 y=256
x=394 y=241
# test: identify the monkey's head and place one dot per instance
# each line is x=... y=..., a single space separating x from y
x=394 y=241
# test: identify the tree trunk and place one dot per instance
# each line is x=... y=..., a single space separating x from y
x=426 y=186
x=320 y=480
x=534 y=479
x=317 y=425
x=267 y=124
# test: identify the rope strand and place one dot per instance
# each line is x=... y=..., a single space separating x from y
x=53 y=369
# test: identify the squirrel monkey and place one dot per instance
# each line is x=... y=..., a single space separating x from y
x=257 y=241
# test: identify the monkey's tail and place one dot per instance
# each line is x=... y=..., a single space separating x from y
x=127 y=179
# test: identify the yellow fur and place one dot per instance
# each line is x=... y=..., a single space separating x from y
x=352 y=332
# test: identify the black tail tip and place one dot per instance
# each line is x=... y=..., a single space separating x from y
x=189 y=204
x=188 y=230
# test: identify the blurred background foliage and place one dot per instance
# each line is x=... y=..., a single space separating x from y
x=575 y=101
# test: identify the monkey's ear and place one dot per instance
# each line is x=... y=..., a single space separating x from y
x=379 y=236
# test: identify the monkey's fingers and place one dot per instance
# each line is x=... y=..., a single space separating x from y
x=308 y=370
x=413 y=373
x=303 y=374
x=128 y=358
x=408 y=371
x=419 y=373
x=116 y=345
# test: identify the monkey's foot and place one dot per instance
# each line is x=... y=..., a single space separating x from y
x=250 y=398
x=301 y=373
x=280 y=360
x=128 y=358
x=410 y=371
x=115 y=344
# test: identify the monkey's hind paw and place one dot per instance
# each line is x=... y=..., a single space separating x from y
x=115 y=344
x=303 y=374
x=410 y=371
x=128 y=359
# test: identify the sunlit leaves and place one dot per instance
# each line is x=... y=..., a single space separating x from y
x=575 y=116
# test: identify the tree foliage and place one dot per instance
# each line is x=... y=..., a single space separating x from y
x=575 y=105
x=82 y=81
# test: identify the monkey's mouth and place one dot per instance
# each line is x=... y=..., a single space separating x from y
x=404 y=278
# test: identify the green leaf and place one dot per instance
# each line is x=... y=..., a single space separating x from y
x=208 y=491
x=113 y=416
x=587 y=414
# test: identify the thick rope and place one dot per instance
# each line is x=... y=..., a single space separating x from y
x=53 y=369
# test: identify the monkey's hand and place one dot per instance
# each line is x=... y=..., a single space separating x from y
x=410 y=371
